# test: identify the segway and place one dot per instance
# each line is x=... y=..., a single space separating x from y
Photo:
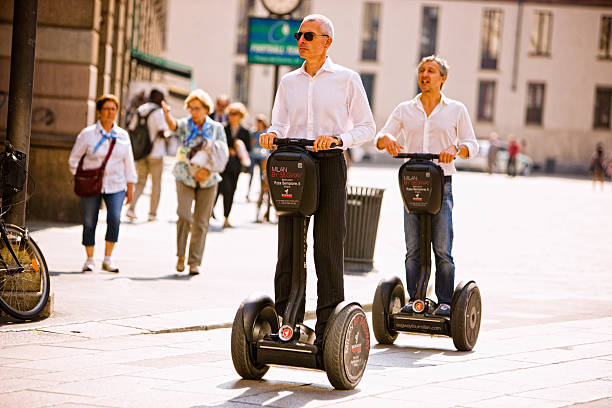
x=422 y=185
x=259 y=336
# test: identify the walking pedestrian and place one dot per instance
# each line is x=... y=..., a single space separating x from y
x=257 y=153
x=152 y=164
x=597 y=166
x=104 y=140
x=235 y=134
x=492 y=152
x=513 y=151
x=196 y=183
x=431 y=122
x=324 y=102
x=220 y=114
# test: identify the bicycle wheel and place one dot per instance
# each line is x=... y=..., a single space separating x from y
x=23 y=293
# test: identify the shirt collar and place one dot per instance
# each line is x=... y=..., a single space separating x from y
x=100 y=128
x=328 y=65
x=417 y=100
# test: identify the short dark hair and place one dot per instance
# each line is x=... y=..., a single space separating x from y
x=104 y=98
x=156 y=96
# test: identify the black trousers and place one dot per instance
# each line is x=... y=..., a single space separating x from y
x=329 y=232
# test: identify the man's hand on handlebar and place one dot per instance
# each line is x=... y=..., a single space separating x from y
x=448 y=155
x=389 y=144
x=266 y=140
x=323 y=143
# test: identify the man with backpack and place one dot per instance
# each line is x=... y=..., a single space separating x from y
x=147 y=129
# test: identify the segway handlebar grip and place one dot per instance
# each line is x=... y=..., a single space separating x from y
x=297 y=142
x=425 y=156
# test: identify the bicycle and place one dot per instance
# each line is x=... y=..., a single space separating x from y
x=24 y=277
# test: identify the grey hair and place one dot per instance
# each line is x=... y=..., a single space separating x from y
x=442 y=63
x=326 y=25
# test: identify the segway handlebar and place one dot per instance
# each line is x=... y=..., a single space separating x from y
x=297 y=142
x=425 y=156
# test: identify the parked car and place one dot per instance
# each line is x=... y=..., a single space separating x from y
x=524 y=163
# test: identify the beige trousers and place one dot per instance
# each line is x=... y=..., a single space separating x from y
x=196 y=221
x=144 y=167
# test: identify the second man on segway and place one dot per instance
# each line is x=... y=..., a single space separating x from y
x=431 y=123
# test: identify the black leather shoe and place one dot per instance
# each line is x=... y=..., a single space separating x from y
x=443 y=309
x=407 y=308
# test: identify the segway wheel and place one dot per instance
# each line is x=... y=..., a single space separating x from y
x=347 y=347
x=243 y=354
x=388 y=298
x=465 y=317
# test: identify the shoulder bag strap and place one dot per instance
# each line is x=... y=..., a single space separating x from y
x=110 y=150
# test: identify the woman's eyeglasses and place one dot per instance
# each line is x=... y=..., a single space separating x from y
x=308 y=35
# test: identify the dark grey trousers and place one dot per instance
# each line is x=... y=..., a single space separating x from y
x=329 y=232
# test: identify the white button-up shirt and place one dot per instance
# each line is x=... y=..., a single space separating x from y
x=155 y=123
x=120 y=168
x=448 y=124
x=332 y=103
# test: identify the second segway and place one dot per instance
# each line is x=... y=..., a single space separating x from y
x=422 y=188
x=259 y=336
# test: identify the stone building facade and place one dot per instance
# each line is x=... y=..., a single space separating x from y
x=83 y=50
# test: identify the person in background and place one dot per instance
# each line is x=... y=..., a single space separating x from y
x=257 y=153
x=220 y=114
x=597 y=167
x=234 y=131
x=117 y=183
x=153 y=164
x=492 y=153
x=196 y=185
x=513 y=151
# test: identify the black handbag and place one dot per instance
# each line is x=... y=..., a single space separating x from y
x=88 y=183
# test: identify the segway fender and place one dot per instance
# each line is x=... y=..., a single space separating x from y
x=386 y=287
x=458 y=290
x=251 y=309
x=336 y=312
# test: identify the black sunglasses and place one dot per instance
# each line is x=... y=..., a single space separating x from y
x=308 y=35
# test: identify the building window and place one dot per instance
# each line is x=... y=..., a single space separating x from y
x=369 y=38
x=486 y=101
x=491 y=38
x=541 y=32
x=245 y=9
x=429 y=30
x=535 y=103
x=605 y=51
x=603 y=103
x=241 y=83
x=368 y=84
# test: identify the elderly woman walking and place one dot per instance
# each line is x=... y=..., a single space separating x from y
x=100 y=142
x=201 y=156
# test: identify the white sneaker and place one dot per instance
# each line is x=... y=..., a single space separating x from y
x=152 y=218
x=130 y=214
x=109 y=267
x=88 y=266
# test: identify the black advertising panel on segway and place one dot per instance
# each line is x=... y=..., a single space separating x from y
x=421 y=184
x=293 y=177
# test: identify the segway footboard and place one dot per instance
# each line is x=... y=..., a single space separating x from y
x=420 y=323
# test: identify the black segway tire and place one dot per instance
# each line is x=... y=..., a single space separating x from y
x=242 y=351
x=465 y=317
x=388 y=297
x=347 y=347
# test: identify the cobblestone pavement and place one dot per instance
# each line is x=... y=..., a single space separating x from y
x=536 y=246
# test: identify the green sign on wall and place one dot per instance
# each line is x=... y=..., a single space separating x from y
x=271 y=41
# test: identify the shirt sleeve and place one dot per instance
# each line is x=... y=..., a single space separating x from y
x=79 y=148
x=465 y=132
x=393 y=125
x=280 y=114
x=360 y=114
x=159 y=121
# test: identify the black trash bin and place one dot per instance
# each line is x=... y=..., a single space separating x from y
x=362 y=214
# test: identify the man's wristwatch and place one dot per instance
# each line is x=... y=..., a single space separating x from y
x=338 y=141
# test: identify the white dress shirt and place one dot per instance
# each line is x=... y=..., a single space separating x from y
x=448 y=124
x=120 y=168
x=332 y=103
x=155 y=123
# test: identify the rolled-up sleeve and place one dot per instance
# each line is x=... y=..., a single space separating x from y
x=360 y=114
x=393 y=125
x=465 y=132
x=130 y=168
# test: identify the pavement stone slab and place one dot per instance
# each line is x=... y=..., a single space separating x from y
x=578 y=392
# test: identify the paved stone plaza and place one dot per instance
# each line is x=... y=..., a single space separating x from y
x=538 y=247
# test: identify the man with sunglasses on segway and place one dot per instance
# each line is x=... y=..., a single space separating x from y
x=320 y=101
x=431 y=123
